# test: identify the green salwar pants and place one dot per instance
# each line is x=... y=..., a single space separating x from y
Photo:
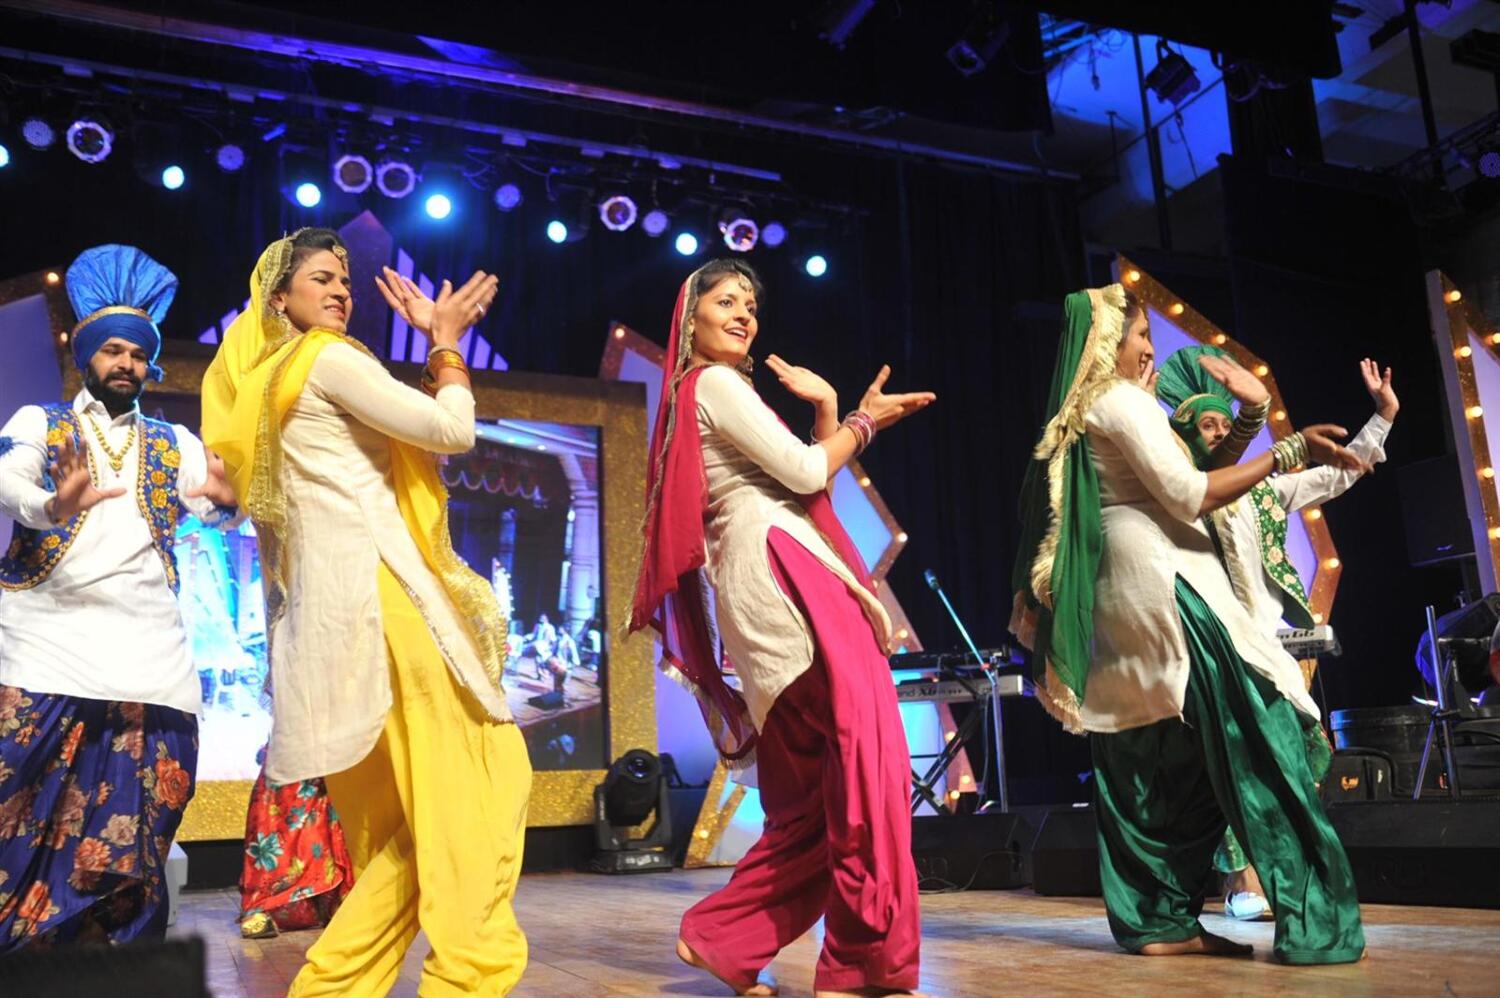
x=1165 y=793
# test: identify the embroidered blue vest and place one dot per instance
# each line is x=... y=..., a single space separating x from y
x=33 y=554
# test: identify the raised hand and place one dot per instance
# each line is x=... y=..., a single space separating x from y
x=215 y=488
x=406 y=299
x=1241 y=383
x=457 y=310
x=888 y=409
x=76 y=491
x=1147 y=380
x=801 y=382
x=1378 y=384
x=1323 y=447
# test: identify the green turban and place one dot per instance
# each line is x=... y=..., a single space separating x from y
x=1183 y=384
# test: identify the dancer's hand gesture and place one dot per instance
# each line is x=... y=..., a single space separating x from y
x=888 y=409
x=1323 y=447
x=457 y=310
x=1379 y=387
x=215 y=488
x=1147 y=381
x=1241 y=383
x=801 y=382
x=76 y=491
x=406 y=299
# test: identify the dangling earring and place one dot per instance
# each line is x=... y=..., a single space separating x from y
x=746 y=366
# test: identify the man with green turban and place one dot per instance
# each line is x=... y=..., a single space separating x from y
x=1252 y=534
x=1139 y=639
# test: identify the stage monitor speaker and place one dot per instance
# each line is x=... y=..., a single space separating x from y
x=1432 y=852
x=983 y=852
x=173 y=969
x=1432 y=510
x=1065 y=856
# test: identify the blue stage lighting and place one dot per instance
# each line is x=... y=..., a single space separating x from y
x=557 y=231
x=816 y=265
x=309 y=194
x=173 y=177
x=507 y=197
x=4 y=157
x=773 y=235
x=655 y=222
x=686 y=244
x=438 y=206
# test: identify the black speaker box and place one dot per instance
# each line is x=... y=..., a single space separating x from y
x=1432 y=510
x=986 y=852
x=172 y=969
x=1065 y=856
x=1434 y=852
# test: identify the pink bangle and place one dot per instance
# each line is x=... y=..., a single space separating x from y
x=862 y=425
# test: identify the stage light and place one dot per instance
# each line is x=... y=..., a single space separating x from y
x=773 y=235
x=1131 y=276
x=1475 y=411
x=980 y=43
x=53 y=277
x=838 y=22
x=1464 y=352
x=634 y=790
x=507 y=197
x=655 y=222
x=1454 y=297
x=618 y=212
x=1315 y=514
x=308 y=194
x=1489 y=163
x=90 y=140
x=686 y=243
x=395 y=179
x=173 y=177
x=438 y=206
x=353 y=174
x=1173 y=78
x=38 y=133
x=230 y=157
x=557 y=231
x=816 y=265
x=740 y=234
x=4 y=157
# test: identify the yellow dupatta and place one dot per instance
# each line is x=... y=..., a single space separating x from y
x=257 y=374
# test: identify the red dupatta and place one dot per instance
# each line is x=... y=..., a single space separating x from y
x=671 y=592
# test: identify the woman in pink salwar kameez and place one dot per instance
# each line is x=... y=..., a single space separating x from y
x=738 y=502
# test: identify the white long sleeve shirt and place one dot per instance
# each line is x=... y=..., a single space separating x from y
x=1150 y=496
x=756 y=468
x=105 y=624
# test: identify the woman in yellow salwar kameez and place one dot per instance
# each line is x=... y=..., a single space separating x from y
x=386 y=651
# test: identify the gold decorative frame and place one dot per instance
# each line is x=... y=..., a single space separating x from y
x=1456 y=324
x=718 y=811
x=1158 y=296
x=558 y=797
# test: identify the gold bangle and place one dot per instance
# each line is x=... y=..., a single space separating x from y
x=441 y=348
x=442 y=360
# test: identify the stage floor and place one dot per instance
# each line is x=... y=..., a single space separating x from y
x=593 y=934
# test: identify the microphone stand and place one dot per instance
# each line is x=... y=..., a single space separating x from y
x=989 y=674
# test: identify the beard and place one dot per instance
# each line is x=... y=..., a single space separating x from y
x=116 y=398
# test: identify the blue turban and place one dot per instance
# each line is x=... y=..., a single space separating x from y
x=119 y=291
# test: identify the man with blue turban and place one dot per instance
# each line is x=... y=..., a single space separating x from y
x=98 y=695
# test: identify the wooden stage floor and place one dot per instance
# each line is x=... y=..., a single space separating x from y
x=598 y=935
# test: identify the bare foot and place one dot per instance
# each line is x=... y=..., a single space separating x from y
x=1204 y=944
x=765 y=986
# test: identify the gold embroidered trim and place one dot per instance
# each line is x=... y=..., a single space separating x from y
x=111 y=310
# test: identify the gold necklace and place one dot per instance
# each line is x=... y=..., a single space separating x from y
x=116 y=461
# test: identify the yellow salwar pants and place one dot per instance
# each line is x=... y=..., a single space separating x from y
x=435 y=819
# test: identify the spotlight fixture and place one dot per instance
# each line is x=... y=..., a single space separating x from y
x=557 y=231
x=90 y=140
x=618 y=212
x=979 y=44
x=839 y=19
x=740 y=233
x=655 y=222
x=773 y=235
x=634 y=790
x=816 y=265
x=353 y=174
x=1489 y=163
x=308 y=194
x=1173 y=78
x=4 y=157
x=38 y=133
x=686 y=243
x=173 y=177
x=230 y=157
x=438 y=206
x=395 y=178
x=508 y=197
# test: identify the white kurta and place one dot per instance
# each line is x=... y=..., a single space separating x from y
x=1150 y=496
x=756 y=468
x=1294 y=492
x=105 y=624
x=330 y=675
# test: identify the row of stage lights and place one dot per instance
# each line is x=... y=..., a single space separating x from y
x=91 y=141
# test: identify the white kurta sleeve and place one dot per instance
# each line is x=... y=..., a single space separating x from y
x=191 y=475
x=1134 y=422
x=23 y=441
x=1318 y=485
x=361 y=386
x=733 y=410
